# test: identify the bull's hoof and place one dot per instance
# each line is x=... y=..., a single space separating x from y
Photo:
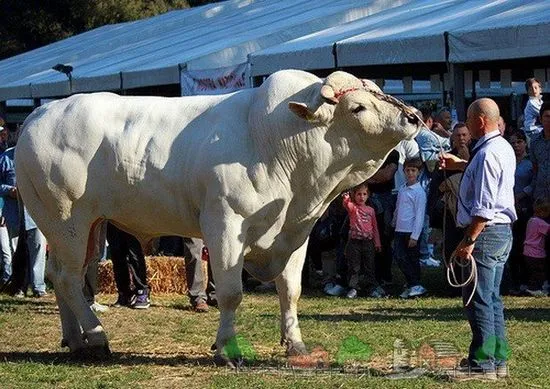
x=293 y=349
x=231 y=363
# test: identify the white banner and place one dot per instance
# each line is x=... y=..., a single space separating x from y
x=213 y=81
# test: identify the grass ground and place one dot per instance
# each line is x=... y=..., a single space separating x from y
x=168 y=345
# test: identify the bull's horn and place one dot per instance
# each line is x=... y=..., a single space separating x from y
x=328 y=94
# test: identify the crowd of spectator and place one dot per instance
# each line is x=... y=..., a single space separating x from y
x=404 y=222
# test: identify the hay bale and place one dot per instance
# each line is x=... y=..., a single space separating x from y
x=164 y=275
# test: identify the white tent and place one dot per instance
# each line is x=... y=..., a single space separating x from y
x=411 y=32
x=519 y=32
x=418 y=35
x=153 y=51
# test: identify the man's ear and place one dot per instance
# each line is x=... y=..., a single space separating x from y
x=301 y=110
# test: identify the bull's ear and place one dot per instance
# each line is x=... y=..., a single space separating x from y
x=301 y=110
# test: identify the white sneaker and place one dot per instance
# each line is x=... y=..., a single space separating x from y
x=352 y=293
x=97 y=307
x=417 y=291
x=430 y=262
x=405 y=293
x=336 y=290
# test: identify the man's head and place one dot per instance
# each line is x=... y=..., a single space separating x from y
x=461 y=135
x=545 y=116
x=533 y=87
x=482 y=117
x=444 y=118
x=427 y=115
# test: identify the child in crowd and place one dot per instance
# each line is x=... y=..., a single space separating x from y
x=363 y=240
x=534 y=249
x=532 y=108
x=408 y=221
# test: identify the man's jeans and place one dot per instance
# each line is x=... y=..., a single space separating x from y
x=37 y=257
x=197 y=291
x=485 y=312
x=6 y=251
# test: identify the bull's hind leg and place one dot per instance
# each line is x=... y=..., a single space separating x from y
x=289 y=288
x=71 y=253
x=71 y=330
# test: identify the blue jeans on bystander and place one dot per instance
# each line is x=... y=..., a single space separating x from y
x=485 y=312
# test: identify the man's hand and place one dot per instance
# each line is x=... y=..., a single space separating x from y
x=464 y=250
x=412 y=243
x=451 y=162
x=13 y=193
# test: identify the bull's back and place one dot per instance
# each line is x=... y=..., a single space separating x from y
x=119 y=156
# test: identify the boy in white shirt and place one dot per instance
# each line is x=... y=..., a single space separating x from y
x=532 y=108
x=408 y=220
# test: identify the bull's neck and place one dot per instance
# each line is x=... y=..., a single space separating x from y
x=316 y=167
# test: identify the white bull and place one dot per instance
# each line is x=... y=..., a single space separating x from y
x=249 y=172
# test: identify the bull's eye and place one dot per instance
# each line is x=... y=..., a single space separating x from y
x=358 y=109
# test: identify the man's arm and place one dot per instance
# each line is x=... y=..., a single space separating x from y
x=449 y=161
x=420 y=214
x=7 y=177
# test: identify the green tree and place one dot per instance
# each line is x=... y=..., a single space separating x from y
x=28 y=24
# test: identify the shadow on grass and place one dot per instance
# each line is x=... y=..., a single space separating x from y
x=27 y=301
x=117 y=358
x=122 y=359
x=439 y=314
x=35 y=306
x=256 y=366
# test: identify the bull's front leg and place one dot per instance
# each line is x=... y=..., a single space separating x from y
x=289 y=288
x=226 y=257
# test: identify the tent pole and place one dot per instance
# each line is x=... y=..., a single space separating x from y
x=459 y=92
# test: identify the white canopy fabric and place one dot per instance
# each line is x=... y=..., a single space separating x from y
x=519 y=32
x=417 y=35
x=273 y=35
x=152 y=51
x=315 y=51
x=411 y=32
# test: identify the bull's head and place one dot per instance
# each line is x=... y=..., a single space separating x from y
x=359 y=105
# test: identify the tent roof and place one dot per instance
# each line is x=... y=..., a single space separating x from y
x=272 y=35
x=519 y=32
x=151 y=51
x=411 y=32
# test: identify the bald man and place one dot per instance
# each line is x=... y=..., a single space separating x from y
x=486 y=212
